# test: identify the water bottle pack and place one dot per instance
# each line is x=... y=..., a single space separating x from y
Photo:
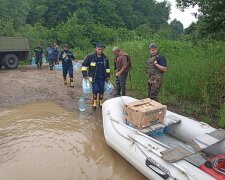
x=77 y=67
x=86 y=86
x=158 y=132
x=108 y=87
x=33 y=63
x=43 y=60
x=58 y=67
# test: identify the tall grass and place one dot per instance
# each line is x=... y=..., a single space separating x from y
x=195 y=81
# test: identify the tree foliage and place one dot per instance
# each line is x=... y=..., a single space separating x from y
x=211 y=16
x=111 y=13
x=81 y=23
x=177 y=28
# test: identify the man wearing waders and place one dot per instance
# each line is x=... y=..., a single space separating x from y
x=122 y=64
x=67 y=58
x=156 y=67
x=49 y=53
x=96 y=68
x=38 y=52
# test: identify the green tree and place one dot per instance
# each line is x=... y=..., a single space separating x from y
x=15 y=11
x=212 y=15
x=177 y=28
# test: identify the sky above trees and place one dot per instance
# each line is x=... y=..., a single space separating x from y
x=185 y=17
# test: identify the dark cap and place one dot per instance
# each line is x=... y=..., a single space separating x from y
x=98 y=44
x=66 y=45
x=152 y=46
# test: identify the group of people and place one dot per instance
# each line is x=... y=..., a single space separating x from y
x=51 y=53
x=96 y=68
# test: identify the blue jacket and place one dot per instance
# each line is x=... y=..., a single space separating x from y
x=89 y=67
x=49 y=52
x=55 y=53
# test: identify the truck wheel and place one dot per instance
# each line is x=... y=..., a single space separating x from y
x=0 y=63
x=10 y=61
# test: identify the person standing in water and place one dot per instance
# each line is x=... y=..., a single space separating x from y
x=96 y=68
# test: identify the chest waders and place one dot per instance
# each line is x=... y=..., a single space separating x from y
x=155 y=79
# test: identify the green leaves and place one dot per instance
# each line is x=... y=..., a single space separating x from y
x=211 y=16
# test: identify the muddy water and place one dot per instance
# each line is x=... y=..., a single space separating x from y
x=43 y=141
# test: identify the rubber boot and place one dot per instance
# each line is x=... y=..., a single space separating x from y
x=100 y=100
x=117 y=92
x=94 y=106
x=71 y=82
x=65 y=81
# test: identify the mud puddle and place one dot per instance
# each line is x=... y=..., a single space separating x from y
x=43 y=141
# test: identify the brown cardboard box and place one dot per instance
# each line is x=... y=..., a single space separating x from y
x=143 y=113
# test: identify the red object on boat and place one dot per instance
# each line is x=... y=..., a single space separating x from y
x=209 y=170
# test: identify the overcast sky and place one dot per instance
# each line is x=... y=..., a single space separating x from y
x=185 y=17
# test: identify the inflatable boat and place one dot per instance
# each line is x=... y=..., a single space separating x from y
x=177 y=148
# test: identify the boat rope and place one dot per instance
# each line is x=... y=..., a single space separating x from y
x=216 y=165
x=151 y=149
x=116 y=129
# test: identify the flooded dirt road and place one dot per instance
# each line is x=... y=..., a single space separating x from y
x=43 y=141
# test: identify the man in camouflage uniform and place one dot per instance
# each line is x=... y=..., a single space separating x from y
x=156 y=67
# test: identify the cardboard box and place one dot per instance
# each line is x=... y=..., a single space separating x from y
x=143 y=113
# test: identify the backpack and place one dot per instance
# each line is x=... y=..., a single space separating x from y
x=129 y=62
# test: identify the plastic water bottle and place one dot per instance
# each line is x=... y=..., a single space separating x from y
x=76 y=67
x=86 y=86
x=43 y=60
x=82 y=105
x=58 y=67
x=157 y=132
x=33 y=63
x=109 y=87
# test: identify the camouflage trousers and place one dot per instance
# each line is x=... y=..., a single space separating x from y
x=154 y=86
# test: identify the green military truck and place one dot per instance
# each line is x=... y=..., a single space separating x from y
x=13 y=49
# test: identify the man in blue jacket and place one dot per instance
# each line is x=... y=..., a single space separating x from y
x=67 y=58
x=96 y=68
x=49 y=53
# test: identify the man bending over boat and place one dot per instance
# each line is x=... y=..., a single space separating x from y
x=156 y=67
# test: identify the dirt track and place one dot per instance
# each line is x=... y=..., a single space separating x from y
x=25 y=85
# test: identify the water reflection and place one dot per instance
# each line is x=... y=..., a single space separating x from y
x=44 y=141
